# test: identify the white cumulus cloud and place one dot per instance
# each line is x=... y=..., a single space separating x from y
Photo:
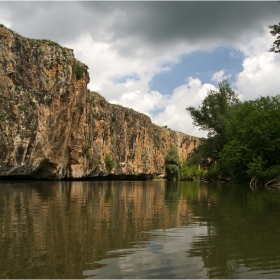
x=175 y=114
x=219 y=76
x=261 y=69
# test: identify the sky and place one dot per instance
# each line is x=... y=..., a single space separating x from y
x=160 y=57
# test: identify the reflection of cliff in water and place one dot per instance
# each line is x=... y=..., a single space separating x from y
x=59 y=229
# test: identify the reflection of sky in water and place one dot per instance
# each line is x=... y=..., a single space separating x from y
x=163 y=256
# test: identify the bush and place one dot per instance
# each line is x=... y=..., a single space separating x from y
x=271 y=172
x=2 y=118
x=190 y=171
x=79 y=71
x=213 y=173
x=109 y=162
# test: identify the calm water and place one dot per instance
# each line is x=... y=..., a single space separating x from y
x=117 y=229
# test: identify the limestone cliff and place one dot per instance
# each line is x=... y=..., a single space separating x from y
x=53 y=127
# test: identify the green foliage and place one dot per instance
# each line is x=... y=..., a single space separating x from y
x=275 y=30
x=253 y=138
x=79 y=71
x=109 y=162
x=32 y=103
x=190 y=171
x=255 y=167
x=2 y=25
x=17 y=88
x=172 y=164
x=213 y=173
x=216 y=109
x=271 y=172
x=243 y=139
x=2 y=118
x=22 y=107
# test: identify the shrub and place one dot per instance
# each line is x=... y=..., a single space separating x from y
x=2 y=118
x=213 y=173
x=190 y=171
x=271 y=172
x=109 y=162
x=79 y=71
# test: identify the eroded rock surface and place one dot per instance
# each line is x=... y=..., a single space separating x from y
x=53 y=127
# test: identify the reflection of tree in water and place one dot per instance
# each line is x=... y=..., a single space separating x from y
x=243 y=231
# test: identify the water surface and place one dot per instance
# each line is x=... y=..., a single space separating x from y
x=126 y=229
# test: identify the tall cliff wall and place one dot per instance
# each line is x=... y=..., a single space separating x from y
x=53 y=127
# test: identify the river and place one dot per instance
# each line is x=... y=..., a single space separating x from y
x=137 y=229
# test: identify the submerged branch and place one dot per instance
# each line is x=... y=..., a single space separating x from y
x=273 y=183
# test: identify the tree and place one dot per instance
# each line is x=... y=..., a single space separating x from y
x=172 y=164
x=212 y=116
x=190 y=171
x=275 y=30
x=253 y=139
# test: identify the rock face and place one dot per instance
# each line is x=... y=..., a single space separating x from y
x=53 y=127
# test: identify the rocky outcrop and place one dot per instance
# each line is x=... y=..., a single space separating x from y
x=53 y=127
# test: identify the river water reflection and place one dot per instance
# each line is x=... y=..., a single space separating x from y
x=133 y=229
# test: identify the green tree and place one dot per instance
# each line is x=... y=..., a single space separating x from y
x=275 y=30
x=172 y=164
x=190 y=171
x=253 y=138
x=212 y=116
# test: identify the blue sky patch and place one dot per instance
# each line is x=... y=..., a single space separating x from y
x=202 y=65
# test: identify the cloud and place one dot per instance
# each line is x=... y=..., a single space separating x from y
x=154 y=24
x=126 y=44
x=260 y=69
x=174 y=114
x=260 y=76
x=219 y=76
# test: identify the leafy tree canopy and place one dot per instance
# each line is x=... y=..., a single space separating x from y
x=212 y=116
x=275 y=30
x=215 y=109
x=243 y=139
x=253 y=138
x=172 y=164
